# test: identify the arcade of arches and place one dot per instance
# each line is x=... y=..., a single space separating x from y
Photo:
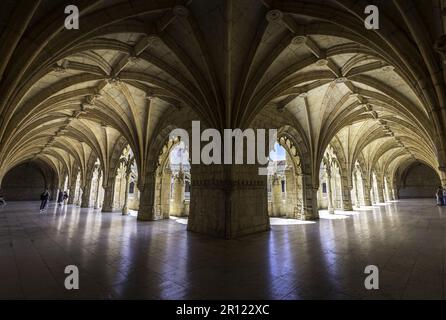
x=360 y=113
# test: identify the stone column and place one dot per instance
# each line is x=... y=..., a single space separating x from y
x=86 y=190
x=158 y=180
x=395 y=193
x=98 y=188
x=367 y=190
x=276 y=196
x=380 y=188
x=118 y=188
x=165 y=193
x=346 y=197
x=178 y=194
x=125 y=208
x=72 y=193
x=329 y=191
x=389 y=193
x=310 y=208
x=355 y=186
x=79 y=197
x=228 y=201
x=54 y=192
x=146 y=210
x=291 y=194
x=109 y=193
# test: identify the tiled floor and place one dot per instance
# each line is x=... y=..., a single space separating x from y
x=121 y=258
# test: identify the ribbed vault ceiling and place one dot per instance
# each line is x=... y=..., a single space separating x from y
x=136 y=67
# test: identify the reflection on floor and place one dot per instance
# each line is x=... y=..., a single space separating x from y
x=120 y=258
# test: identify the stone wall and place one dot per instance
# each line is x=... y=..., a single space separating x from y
x=23 y=183
x=420 y=182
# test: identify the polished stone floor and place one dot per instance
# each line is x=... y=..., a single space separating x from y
x=120 y=258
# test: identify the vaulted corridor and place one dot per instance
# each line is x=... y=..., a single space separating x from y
x=308 y=134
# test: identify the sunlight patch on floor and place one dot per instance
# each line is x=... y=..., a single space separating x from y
x=133 y=213
x=323 y=214
x=179 y=220
x=284 y=222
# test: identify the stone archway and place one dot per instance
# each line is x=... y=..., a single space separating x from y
x=171 y=175
x=24 y=182
x=333 y=191
x=285 y=191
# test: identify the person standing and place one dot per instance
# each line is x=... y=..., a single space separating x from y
x=444 y=196
x=65 y=197
x=60 y=198
x=2 y=201
x=439 y=195
x=44 y=199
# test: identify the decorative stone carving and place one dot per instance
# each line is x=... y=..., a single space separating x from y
x=274 y=16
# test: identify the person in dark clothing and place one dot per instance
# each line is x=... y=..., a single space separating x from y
x=60 y=198
x=44 y=198
x=439 y=195
x=2 y=201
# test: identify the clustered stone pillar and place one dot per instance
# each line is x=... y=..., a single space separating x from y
x=357 y=200
x=98 y=188
x=389 y=192
x=276 y=193
x=125 y=209
x=347 y=197
x=165 y=192
x=79 y=197
x=86 y=195
x=109 y=192
x=310 y=207
x=118 y=191
x=178 y=194
x=329 y=191
x=146 y=210
x=72 y=192
x=54 y=192
x=228 y=201
x=367 y=199
x=380 y=191
x=395 y=193
x=291 y=194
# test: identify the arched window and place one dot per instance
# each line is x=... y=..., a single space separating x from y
x=132 y=188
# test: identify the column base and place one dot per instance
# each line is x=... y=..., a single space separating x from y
x=308 y=215
x=148 y=217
